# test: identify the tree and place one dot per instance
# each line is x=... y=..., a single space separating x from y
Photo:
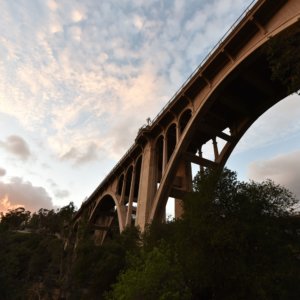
x=15 y=218
x=154 y=274
x=31 y=263
x=51 y=221
x=235 y=241
x=95 y=268
x=242 y=238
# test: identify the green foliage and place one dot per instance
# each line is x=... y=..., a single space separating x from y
x=95 y=268
x=235 y=241
x=15 y=219
x=49 y=221
x=243 y=248
x=152 y=275
x=31 y=259
x=27 y=259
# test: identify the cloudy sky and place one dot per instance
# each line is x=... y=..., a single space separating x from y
x=78 y=79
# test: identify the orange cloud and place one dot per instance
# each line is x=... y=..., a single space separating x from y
x=5 y=204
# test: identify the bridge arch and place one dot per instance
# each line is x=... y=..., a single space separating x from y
x=211 y=109
x=226 y=105
x=107 y=212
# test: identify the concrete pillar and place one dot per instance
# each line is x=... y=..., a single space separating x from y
x=147 y=186
x=184 y=172
x=122 y=200
x=216 y=150
x=131 y=196
x=165 y=153
x=201 y=167
x=177 y=132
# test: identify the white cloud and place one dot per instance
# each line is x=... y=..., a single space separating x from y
x=86 y=83
x=52 y=4
x=75 y=33
x=138 y=22
x=21 y=193
x=16 y=145
x=91 y=153
x=55 y=27
x=2 y=172
x=61 y=193
x=283 y=169
x=278 y=123
x=77 y=16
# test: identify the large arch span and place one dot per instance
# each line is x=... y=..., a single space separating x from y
x=220 y=101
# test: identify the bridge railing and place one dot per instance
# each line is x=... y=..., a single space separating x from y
x=249 y=7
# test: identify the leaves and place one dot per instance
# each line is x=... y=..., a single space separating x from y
x=235 y=241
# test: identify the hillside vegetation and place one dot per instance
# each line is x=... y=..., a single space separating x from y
x=236 y=240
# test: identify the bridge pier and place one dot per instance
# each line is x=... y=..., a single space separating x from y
x=131 y=196
x=184 y=184
x=147 y=187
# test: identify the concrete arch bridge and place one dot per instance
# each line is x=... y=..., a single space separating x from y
x=218 y=103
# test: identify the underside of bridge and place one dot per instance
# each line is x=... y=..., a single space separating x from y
x=104 y=223
x=236 y=104
x=240 y=99
x=230 y=109
x=217 y=105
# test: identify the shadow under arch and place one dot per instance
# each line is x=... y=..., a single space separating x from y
x=171 y=139
x=120 y=185
x=184 y=118
x=236 y=100
x=106 y=220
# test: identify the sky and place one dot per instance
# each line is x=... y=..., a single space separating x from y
x=79 y=78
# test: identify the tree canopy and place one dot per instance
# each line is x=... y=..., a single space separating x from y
x=236 y=240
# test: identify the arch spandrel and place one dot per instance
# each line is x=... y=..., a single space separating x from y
x=239 y=120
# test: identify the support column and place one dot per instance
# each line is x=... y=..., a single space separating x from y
x=122 y=200
x=147 y=186
x=165 y=153
x=201 y=167
x=184 y=173
x=131 y=196
x=177 y=132
x=216 y=150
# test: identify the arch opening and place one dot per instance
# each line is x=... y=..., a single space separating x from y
x=128 y=179
x=279 y=152
x=120 y=185
x=184 y=119
x=104 y=223
x=171 y=140
x=132 y=207
x=138 y=167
